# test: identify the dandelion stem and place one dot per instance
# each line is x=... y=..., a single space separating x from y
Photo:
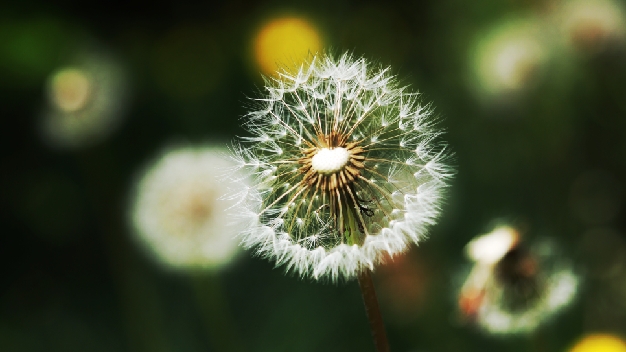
x=221 y=331
x=373 y=311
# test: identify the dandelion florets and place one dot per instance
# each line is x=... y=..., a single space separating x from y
x=346 y=165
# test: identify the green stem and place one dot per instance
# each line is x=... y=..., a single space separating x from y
x=354 y=236
x=373 y=311
x=215 y=313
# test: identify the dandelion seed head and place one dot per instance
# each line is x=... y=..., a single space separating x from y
x=338 y=193
x=179 y=206
x=514 y=288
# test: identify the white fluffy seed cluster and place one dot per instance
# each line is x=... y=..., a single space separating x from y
x=398 y=187
x=557 y=287
x=178 y=213
x=486 y=296
x=560 y=289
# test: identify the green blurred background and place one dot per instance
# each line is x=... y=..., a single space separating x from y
x=549 y=157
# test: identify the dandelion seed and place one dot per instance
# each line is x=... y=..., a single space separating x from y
x=513 y=288
x=179 y=207
x=340 y=188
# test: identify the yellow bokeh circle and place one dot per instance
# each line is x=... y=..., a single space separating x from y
x=71 y=89
x=285 y=42
x=599 y=343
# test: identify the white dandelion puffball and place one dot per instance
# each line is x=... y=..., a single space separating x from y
x=85 y=102
x=556 y=289
x=509 y=59
x=514 y=289
x=178 y=210
x=346 y=168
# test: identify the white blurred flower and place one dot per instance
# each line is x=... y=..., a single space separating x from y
x=509 y=59
x=85 y=102
x=346 y=168
x=513 y=289
x=178 y=212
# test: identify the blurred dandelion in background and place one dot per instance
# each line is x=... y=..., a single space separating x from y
x=86 y=101
x=599 y=342
x=514 y=288
x=509 y=60
x=591 y=26
x=285 y=42
x=346 y=165
x=178 y=210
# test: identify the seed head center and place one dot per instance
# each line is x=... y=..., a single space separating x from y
x=330 y=160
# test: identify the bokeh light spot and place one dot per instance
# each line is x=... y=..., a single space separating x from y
x=600 y=343
x=71 y=89
x=86 y=100
x=509 y=59
x=285 y=42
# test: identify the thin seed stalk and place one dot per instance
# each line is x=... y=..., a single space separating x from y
x=366 y=283
x=373 y=311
